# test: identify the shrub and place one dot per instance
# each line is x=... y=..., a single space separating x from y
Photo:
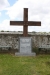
x=2 y=30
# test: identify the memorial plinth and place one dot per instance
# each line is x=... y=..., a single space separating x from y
x=25 y=47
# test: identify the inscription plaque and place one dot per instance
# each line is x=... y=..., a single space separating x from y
x=25 y=45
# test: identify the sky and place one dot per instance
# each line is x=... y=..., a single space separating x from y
x=38 y=10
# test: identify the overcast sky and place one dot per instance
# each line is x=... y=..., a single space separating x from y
x=38 y=10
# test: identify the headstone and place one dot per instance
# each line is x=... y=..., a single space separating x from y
x=25 y=47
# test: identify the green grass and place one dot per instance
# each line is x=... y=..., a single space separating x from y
x=13 y=65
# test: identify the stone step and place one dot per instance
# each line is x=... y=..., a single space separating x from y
x=25 y=54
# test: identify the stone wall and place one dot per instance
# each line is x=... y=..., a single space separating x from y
x=8 y=39
x=39 y=40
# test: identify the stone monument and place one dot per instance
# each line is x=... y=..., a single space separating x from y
x=25 y=50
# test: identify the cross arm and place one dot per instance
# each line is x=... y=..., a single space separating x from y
x=16 y=22
x=34 y=23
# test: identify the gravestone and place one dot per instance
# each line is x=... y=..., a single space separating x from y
x=25 y=50
x=25 y=47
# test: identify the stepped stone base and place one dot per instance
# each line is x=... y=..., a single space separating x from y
x=25 y=54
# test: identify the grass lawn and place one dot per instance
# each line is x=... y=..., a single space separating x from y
x=15 y=65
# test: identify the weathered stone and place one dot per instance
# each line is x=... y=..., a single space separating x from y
x=11 y=39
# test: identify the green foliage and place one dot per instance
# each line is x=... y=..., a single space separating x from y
x=2 y=30
x=18 y=65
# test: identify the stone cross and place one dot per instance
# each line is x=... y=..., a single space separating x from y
x=25 y=23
